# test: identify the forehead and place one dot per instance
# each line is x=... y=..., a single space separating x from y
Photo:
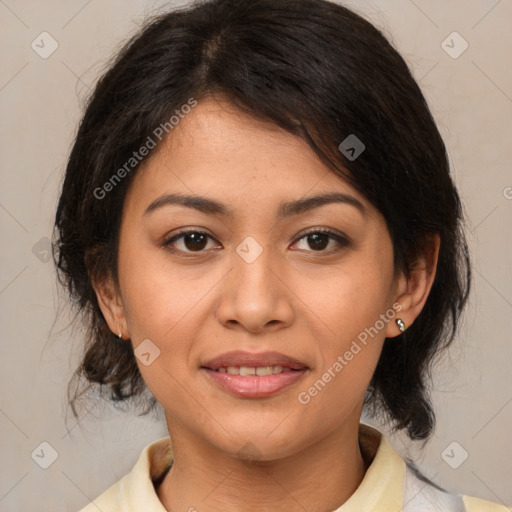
x=218 y=151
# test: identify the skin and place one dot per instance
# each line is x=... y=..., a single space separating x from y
x=296 y=299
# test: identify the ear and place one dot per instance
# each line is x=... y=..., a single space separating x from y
x=111 y=305
x=412 y=290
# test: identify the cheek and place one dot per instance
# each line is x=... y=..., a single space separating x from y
x=159 y=298
x=166 y=305
x=351 y=310
x=347 y=300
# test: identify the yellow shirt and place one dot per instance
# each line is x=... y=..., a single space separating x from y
x=389 y=484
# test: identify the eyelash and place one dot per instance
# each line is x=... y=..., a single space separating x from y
x=340 y=239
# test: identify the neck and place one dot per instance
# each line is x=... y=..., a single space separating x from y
x=319 y=478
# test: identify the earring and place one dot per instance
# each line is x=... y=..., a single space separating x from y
x=120 y=336
x=401 y=324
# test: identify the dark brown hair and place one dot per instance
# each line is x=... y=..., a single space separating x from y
x=321 y=72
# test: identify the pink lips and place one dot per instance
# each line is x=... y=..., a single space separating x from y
x=254 y=386
x=241 y=358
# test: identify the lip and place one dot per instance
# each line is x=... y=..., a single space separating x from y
x=254 y=386
x=241 y=358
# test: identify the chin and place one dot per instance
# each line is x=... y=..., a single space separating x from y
x=255 y=445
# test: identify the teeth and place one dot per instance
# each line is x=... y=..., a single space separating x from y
x=263 y=370
x=246 y=371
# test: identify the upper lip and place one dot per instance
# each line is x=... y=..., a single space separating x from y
x=240 y=358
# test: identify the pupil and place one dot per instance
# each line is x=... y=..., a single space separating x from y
x=198 y=241
x=316 y=237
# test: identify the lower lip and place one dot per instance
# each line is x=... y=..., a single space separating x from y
x=254 y=386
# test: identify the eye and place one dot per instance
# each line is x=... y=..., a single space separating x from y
x=196 y=241
x=318 y=239
x=192 y=241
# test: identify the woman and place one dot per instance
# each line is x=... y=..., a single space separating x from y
x=259 y=225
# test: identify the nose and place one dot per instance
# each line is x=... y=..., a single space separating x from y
x=254 y=296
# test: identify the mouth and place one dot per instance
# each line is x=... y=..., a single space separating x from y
x=246 y=360
x=254 y=375
x=260 y=371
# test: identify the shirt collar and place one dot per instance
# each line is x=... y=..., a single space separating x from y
x=381 y=490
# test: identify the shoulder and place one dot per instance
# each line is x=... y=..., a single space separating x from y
x=421 y=495
x=393 y=484
x=136 y=490
x=110 y=500
x=478 y=505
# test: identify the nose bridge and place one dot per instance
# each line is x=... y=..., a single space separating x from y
x=252 y=268
x=255 y=297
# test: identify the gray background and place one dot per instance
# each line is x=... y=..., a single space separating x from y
x=41 y=101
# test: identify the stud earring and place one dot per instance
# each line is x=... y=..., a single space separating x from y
x=120 y=336
x=401 y=324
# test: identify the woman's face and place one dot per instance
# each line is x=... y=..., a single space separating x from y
x=249 y=279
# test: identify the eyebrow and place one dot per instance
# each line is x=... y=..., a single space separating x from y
x=285 y=209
